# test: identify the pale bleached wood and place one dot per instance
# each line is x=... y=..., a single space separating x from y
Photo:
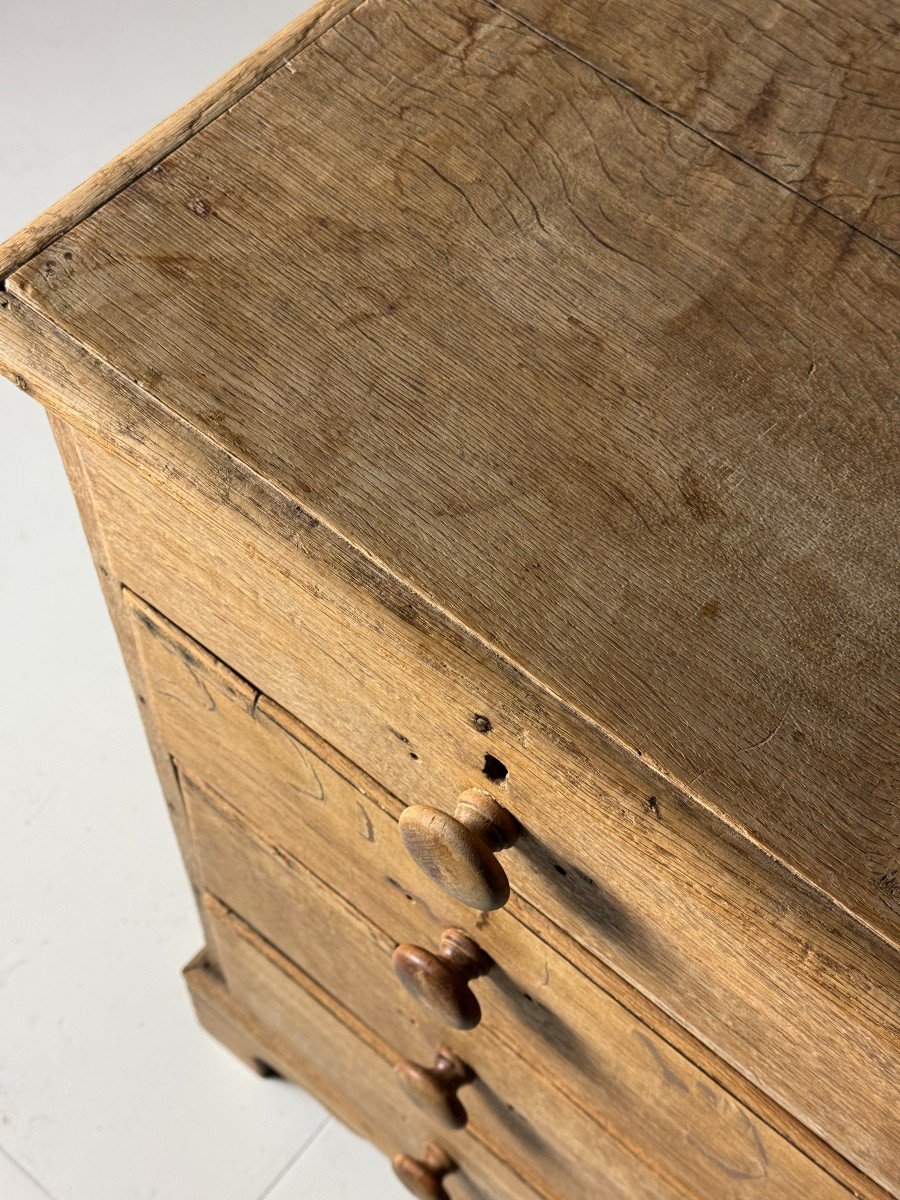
x=170 y=133
x=805 y=91
x=329 y=816
x=658 y=882
x=815 y=809
x=351 y=1077
x=612 y=398
x=643 y=1093
x=70 y=452
x=312 y=599
x=276 y=992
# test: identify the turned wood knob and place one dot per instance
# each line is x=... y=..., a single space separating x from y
x=440 y=982
x=459 y=853
x=424 y=1177
x=434 y=1088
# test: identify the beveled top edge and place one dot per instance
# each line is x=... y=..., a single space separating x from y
x=173 y=131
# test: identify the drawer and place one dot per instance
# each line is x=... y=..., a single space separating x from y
x=522 y=1052
x=273 y=820
x=510 y=1106
x=270 y=1013
x=544 y=1138
x=784 y=986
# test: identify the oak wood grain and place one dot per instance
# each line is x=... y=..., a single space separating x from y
x=551 y=1144
x=69 y=447
x=170 y=133
x=351 y=1076
x=313 y=599
x=332 y=822
x=746 y=983
x=701 y=1146
x=805 y=91
x=619 y=403
x=492 y=417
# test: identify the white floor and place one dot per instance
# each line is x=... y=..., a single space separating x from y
x=108 y=1090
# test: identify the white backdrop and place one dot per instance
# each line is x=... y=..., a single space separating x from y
x=108 y=1090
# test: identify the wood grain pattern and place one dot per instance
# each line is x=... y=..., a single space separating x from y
x=492 y=418
x=458 y=851
x=738 y=929
x=698 y=1140
x=304 y=811
x=170 y=133
x=556 y=1148
x=312 y=598
x=619 y=403
x=806 y=91
x=69 y=448
x=748 y=982
x=441 y=980
x=356 y=1083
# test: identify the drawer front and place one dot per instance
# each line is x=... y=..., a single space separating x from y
x=520 y=1098
x=784 y=986
x=273 y=820
x=525 y=1132
x=303 y=1035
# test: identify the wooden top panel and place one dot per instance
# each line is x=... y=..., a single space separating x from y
x=806 y=90
x=610 y=396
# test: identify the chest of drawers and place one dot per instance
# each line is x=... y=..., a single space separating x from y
x=483 y=421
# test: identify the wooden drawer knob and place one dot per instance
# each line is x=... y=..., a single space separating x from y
x=459 y=853
x=424 y=1177
x=440 y=982
x=434 y=1089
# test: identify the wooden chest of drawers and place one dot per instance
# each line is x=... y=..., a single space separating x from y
x=483 y=421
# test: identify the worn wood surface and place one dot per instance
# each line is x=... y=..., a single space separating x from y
x=646 y=1099
x=614 y=399
x=805 y=91
x=785 y=986
x=343 y=826
x=733 y=932
x=537 y=1130
x=350 y=1076
x=69 y=447
x=176 y=129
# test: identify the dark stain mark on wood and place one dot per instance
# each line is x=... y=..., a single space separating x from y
x=669 y=1077
x=697 y=497
x=367 y=830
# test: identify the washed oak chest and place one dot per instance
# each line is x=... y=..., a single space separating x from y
x=484 y=422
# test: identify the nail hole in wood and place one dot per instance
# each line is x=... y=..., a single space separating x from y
x=495 y=770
